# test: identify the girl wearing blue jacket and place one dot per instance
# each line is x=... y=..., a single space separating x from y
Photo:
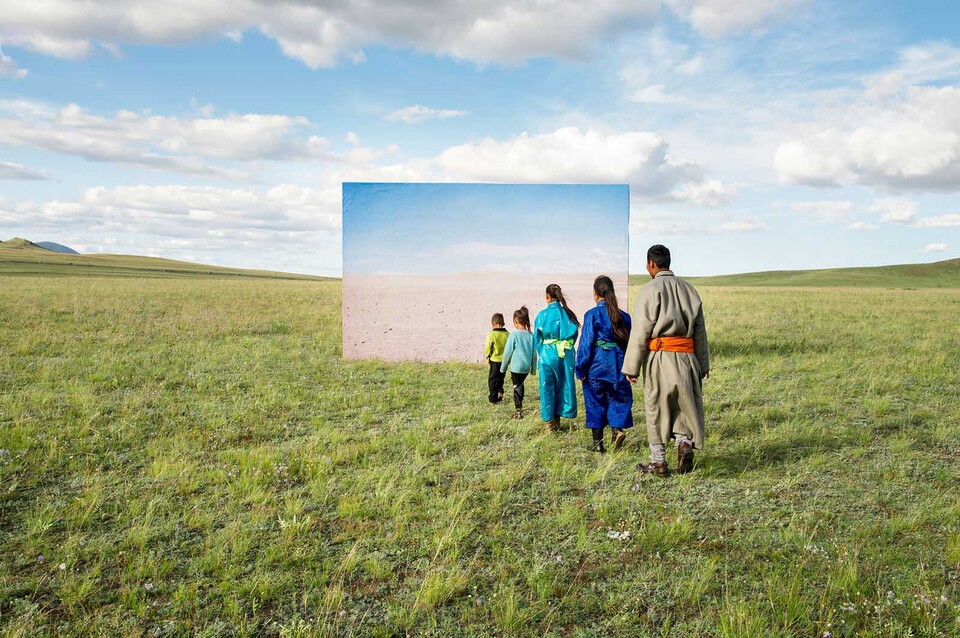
x=554 y=335
x=607 y=394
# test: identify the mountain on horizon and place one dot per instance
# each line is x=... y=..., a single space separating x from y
x=57 y=248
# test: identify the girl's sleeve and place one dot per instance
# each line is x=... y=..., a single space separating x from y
x=585 y=347
x=533 y=362
x=537 y=336
x=508 y=352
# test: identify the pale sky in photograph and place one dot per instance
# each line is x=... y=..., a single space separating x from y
x=437 y=229
x=753 y=134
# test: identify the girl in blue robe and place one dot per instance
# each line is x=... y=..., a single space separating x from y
x=554 y=335
x=607 y=395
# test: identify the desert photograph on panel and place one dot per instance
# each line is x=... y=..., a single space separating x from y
x=426 y=265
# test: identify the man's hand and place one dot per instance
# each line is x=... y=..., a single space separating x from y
x=631 y=378
x=704 y=375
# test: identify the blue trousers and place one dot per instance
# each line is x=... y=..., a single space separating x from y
x=608 y=403
x=558 y=387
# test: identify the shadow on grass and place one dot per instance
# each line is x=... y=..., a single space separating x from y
x=746 y=456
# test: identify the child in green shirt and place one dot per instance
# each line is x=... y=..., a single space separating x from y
x=493 y=351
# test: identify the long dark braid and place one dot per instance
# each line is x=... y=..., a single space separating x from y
x=554 y=292
x=603 y=287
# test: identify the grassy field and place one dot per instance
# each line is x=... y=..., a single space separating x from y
x=21 y=257
x=941 y=274
x=192 y=457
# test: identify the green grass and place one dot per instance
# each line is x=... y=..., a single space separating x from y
x=941 y=274
x=192 y=457
x=22 y=257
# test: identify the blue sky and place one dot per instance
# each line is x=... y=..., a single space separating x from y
x=427 y=229
x=754 y=134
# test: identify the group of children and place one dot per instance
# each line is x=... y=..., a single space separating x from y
x=547 y=348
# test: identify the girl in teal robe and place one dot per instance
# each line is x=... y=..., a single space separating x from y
x=554 y=335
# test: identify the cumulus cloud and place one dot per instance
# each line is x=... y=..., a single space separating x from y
x=321 y=34
x=935 y=248
x=180 y=221
x=895 y=135
x=638 y=158
x=828 y=210
x=939 y=221
x=169 y=143
x=862 y=226
x=9 y=170
x=418 y=113
x=187 y=211
x=711 y=192
x=9 y=68
x=720 y=17
x=895 y=209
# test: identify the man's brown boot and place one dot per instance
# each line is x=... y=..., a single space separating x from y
x=554 y=424
x=684 y=458
x=660 y=468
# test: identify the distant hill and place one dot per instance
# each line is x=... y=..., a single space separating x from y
x=57 y=248
x=941 y=274
x=20 y=256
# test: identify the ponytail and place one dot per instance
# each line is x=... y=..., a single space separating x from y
x=522 y=317
x=603 y=287
x=554 y=292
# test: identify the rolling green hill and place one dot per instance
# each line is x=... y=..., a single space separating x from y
x=941 y=274
x=22 y=257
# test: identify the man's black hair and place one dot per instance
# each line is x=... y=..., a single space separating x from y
x=660 y=255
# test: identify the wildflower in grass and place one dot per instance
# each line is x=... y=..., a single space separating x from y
x=148 y=586
x=62 y=566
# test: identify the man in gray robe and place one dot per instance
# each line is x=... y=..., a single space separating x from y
x=669 y=342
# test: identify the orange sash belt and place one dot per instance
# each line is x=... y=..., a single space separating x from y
x=671 y=344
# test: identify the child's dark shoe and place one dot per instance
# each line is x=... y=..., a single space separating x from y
x=619 y=437
x=554 y=424
x=597 y=446
x=517 y=414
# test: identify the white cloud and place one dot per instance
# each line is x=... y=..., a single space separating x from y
x=895 y=209
x=862 y=226
x=9 y=69
x=935 y=248
x=720 y=17
x=9 y=170
x=570 y=155
x=656 y=94
x=684 y=224
x=170 y=143
x=939 y=221
x=692 y=66
x=418 y=113
x=320 y=34
x=245 y=227
x=893 y=134
x=827 y=210
x=707 y=193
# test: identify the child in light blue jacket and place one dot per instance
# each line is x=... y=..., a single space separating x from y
x=520 y=357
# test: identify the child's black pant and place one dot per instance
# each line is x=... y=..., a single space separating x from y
x=495 y=382
x=517 y=378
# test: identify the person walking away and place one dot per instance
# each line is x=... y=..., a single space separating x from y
x=669 y=344
x=607 y=395
x=519 y=357
x=493 y=352
x=554 y=334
